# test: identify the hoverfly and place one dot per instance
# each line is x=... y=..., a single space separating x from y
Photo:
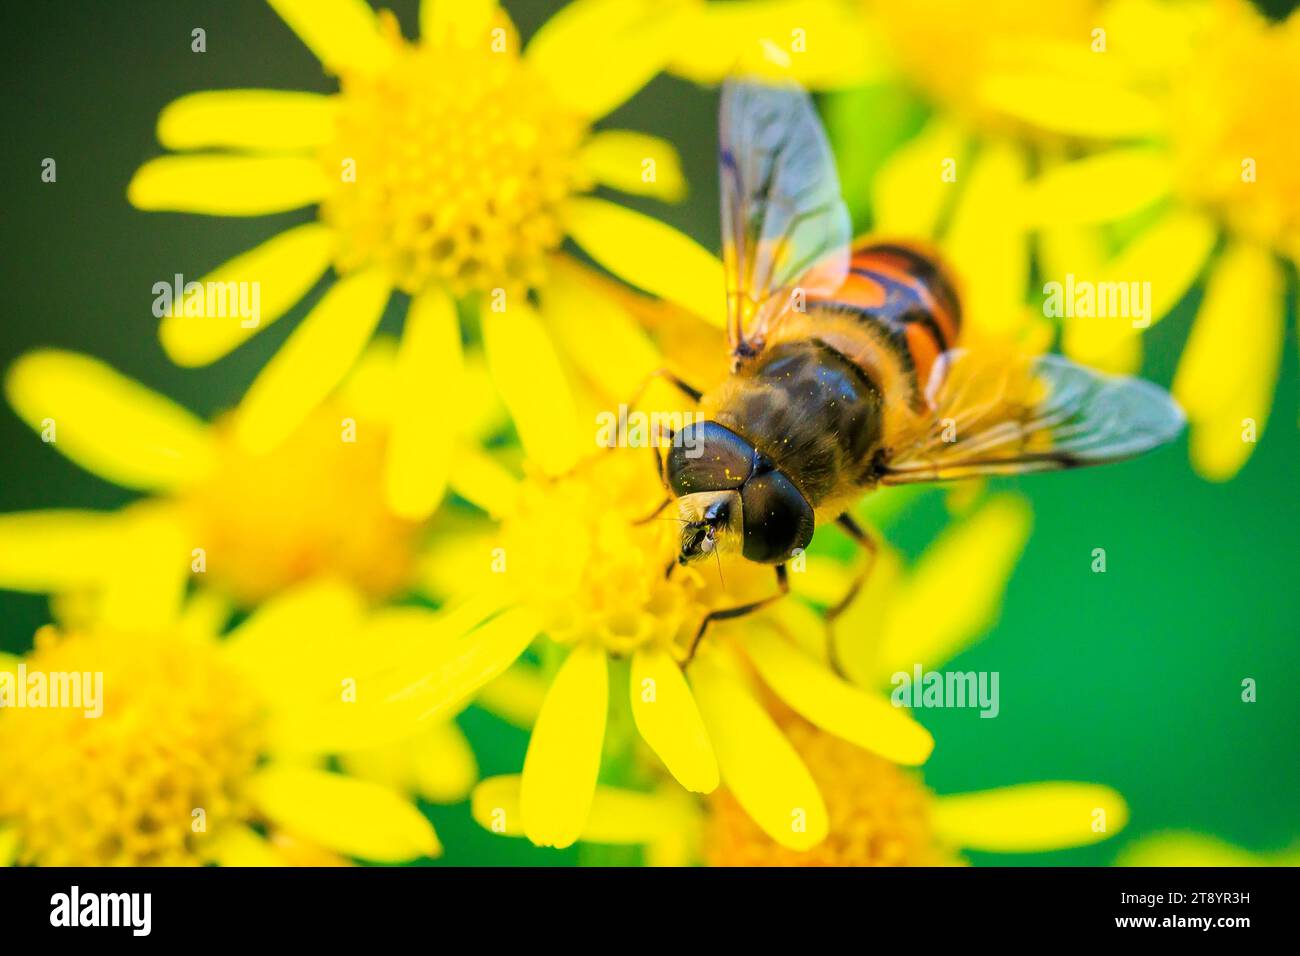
x=846 y=370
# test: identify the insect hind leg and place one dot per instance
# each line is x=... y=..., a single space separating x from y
x=868 y=544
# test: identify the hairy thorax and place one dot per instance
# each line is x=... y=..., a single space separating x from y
x=810 y=410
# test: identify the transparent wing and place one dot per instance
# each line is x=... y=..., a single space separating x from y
x=994 y=414
x=784 y=225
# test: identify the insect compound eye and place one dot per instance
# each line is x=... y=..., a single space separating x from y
x=778 y=519
x=708 y=457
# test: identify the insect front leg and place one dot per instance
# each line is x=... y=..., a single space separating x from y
x=868 y=544
x=672 y=379
x=783 y=588
x=690 y=392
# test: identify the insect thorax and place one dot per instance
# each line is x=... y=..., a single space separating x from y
x=809 y=409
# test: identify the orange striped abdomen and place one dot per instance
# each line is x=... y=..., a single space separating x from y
x=908 y=299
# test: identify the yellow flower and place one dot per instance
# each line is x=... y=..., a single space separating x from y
x=957 y=178
x=247 y=525
x=574 y=553
x=879 y=815
x=449 y=167
x=1213 y=182
x=574 y=557
x=202 y=745
x=1180 y=848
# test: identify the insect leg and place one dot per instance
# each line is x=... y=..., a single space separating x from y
x=672 y=379
x=868 y=544
x=686 y=389
x=654 y=514
x=783 y=585
x=663 y=480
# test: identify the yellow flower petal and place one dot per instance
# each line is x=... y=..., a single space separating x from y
x=47 y=551
x=465 y=21
x=651 y=256
x=617 y=816
x=839 y=708
x=1169 y=254
x=429 y=368
x=454 y=671
x=1030 y=817
x=1176 y=848
x=144 y=586
x=595 y=54
x=484 y=482
x=462 y=563
x=624 y=816
x=107 y=423
x=342 y=33
x=635 y=163
x=443 y=764
x=376 y=685
x=954 y=593
x=758 y=764
x=313 y=360
x=271 y=121
x=354 y=817
x=803 y=625
x=438 y=764
x=1100 y=188
x=1076 y=253
x=986 y=245
x=858 y=631
x=1230 y=365
x=236 y=845
x=563 y=756
x=282 y=270
x=910 y=191
x=597 y=333
x=1072 y=106
x=823 y=580
x=532 y=383
x=221 y=185
x=293 y=633
x=669 y=721
x=516 y=696
x=495 y=805
x=821 y=44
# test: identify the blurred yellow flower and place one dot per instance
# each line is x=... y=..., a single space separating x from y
x=452 y=166
x=246 y=525
x=1211 y=180
x=956 y=180
x=201 y=745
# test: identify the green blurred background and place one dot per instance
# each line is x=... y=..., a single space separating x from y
x=1130 y=678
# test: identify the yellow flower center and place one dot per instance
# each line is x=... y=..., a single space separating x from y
x=312 y=507
x=946 y=48
x=451 y=166
x=1234 y=120
x=178 y=733
x=576 y=551
x=879 y=814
